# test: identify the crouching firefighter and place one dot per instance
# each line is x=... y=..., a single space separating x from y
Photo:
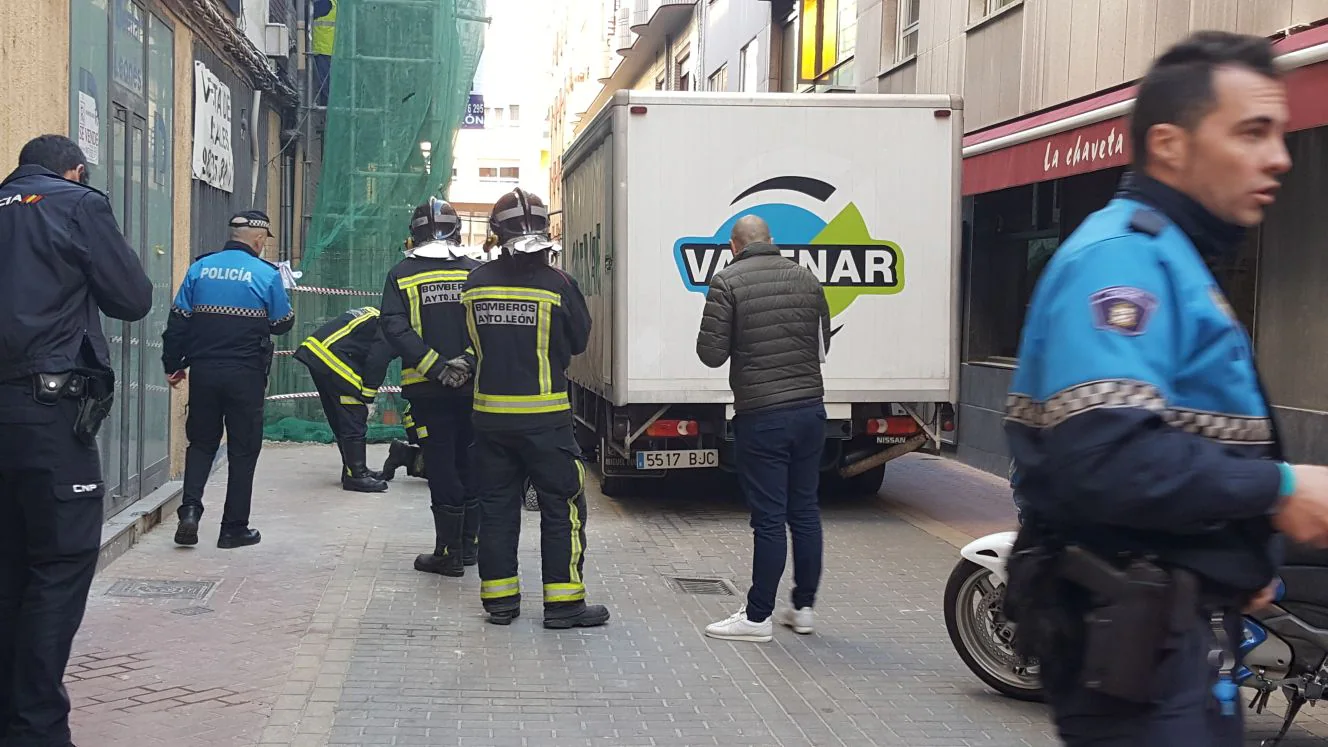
x=348 y=359
x=1147 y=461
x=526 y=321
x=424 y=321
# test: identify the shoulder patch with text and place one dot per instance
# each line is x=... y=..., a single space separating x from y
x=1123 y=309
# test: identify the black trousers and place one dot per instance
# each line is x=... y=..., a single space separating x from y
x=51 y=495
x=503 y=462
x=347 y=416
x=442 y=425
x=229 y=398
x=1185 y=714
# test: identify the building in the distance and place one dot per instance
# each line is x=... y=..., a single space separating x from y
x=508 y=144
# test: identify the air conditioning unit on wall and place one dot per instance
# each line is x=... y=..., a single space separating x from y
x=277 y=40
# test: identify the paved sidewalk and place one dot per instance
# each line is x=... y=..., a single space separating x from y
x=325 y=635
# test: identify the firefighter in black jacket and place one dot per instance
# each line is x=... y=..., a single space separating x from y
x=426 y=325
x=65 y=261
x=348 y=359
x=526 y=321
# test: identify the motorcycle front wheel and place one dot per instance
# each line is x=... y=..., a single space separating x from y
x=982 y=636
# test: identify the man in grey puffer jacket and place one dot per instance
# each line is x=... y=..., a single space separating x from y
x=769 y=317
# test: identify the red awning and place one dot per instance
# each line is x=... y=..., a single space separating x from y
x=1105 y=143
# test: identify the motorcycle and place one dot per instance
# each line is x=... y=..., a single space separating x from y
x=1285 y=645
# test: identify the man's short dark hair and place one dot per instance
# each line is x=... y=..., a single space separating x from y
x=1178 y=88
x=53 y=152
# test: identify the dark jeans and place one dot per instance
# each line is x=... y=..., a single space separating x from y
x=779 y=461
x=229 y=397
x=51 y=495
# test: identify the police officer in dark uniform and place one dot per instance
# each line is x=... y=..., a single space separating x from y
x=230 y=305
x=65 y=259
x=425 y=323
x=348 y=359
x=527 y=319
x=1142 y=439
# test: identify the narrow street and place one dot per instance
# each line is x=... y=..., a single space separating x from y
x=325 y=635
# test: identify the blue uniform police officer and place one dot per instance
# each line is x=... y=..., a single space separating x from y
x=1144 y=445
x=65 y=261
x=230 y=305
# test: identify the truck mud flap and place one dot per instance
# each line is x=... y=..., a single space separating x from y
x=883 y=456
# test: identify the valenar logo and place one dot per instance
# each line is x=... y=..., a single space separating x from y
x=840 y=252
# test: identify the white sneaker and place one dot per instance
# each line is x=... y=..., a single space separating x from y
x=800 y=620
x=738 y=628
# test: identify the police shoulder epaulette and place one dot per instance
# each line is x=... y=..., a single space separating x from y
x=204 y=255
x=1148 y=221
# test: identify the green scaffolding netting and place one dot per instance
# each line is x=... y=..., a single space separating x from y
x=401 y=77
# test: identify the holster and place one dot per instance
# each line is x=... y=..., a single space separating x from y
x=1091 y=622
x=92 y=391
x=1128 y=624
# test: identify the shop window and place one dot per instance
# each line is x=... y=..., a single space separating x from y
x=89 y=89
x=1015 y=233
x=1291 y=329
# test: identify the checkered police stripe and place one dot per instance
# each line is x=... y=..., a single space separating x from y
x=310 y=395
x=1063 y=405
x=336 y=291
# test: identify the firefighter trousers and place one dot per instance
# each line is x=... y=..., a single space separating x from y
x=503 y=460
x=347 y=416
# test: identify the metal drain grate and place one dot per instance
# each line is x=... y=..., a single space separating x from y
x=191 y=611
x=138 y=588
x=716 y=586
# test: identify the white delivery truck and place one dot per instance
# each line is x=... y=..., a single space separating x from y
x=861 y=189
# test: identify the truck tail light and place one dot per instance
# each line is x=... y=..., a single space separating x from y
x=673 y=428
x=891 y=426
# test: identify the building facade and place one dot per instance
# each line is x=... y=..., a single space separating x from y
x=122 y=78
x=584 y=53
x=1047 y=88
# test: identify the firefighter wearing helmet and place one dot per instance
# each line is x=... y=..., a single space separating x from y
x=423 y=319
x=527 y=319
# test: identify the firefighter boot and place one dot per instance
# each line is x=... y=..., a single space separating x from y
x=470 y=534
x=415 y=468
x=356 y=476
x=399 y=454
x=565 y=615
x=446 y=557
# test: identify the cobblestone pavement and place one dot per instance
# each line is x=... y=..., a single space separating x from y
x=324 y=635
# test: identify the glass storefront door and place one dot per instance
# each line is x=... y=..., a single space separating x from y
x=135 y=438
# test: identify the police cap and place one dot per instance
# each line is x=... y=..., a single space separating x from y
x=252 y=219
